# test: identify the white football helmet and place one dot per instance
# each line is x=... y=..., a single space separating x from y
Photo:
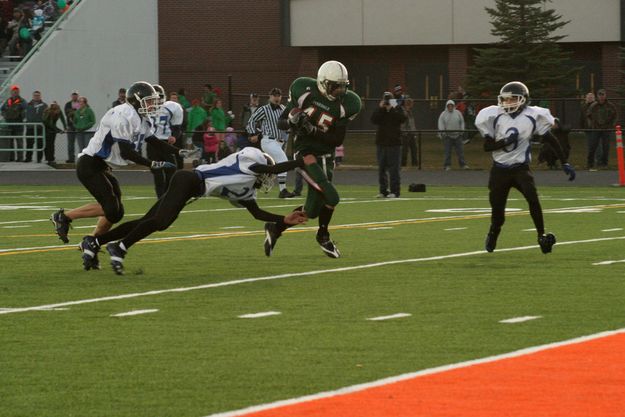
x=332 y=79
x=161 y=93
x=512 y=90
x=266 y=180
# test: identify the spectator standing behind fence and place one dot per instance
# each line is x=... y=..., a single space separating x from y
x=602 y=115
x=389 y=119
x=246 y=113
x=70 y=108
x=182 y=99
x=273 y=140
x=584 y=121
x=34 y=114
x=211 y=144
x=451 y=120
x=13 y=111
x=220 y=119
x=121 y=97
x=51 y=117
x=197 y=115
x=84 y=120
x=408 y=136
x=208 y=98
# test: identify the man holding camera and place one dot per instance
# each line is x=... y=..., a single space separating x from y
x=389 y=118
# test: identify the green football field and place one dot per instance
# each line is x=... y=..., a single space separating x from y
x=415 y=263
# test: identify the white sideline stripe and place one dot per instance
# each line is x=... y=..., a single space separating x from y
x=529 y=230
x=233 y=227
x=15 y=227
x=609 y=262
x=292 y=275
x=391 y=317
x=454 y=228
x=616 y=229
x=413 y=375
x=134 y=313
x=83 y=227
x=258 y=315
x=380 y=228
x=41 y=309
x=519 y=319
x=26 y=221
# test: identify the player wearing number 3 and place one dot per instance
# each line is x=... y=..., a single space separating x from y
x=507 y=129
x=318 y=112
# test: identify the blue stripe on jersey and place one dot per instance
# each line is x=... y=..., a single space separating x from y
x=495 y=124
x=221 y=170
x=107 y=144
x=533 y=123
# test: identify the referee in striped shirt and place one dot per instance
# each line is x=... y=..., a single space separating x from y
x=273 y=140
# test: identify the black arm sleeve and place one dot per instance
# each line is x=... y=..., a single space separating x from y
x=128 y=152
x=260 y=214
x=490 y=144
x=162 y=145
x=333 y=137
x=283 y=121
x=277 y=168
x=550 y=139
x=176 y=131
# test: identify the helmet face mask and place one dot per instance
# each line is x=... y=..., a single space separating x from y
x=332 y=79
x=161 y=93
x=144 y=98
x=266 y=180
x=513 y=97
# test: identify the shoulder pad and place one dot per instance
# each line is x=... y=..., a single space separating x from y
x=352 y=104
x=301 y=86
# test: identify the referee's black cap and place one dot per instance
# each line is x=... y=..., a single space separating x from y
x=275 y=92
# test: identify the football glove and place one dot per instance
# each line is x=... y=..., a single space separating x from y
x=306 y=127
x=189 y=153
x=156 y=165
x=569 y=170
x=512 y=139
x=296 y=116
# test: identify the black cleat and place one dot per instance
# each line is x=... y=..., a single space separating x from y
x=90 y=248
x=491 y=240
x=327 y=246
x=61 y=224
x=546 y=242
x=117 y=257
x=271 y=237
x=286 y=194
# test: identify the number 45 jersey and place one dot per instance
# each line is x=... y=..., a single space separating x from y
x=325 y=114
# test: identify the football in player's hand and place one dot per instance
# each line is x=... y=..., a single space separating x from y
x=296 y=115
x=296 y=217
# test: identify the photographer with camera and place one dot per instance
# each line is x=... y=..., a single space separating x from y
x=389 y=118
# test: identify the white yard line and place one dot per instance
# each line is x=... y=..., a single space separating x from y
x=380 y=228
x=609 y=262
x=616 y=229
x=390 y=317
x=519 y=319
x=295 y=275
x=259 y=315
x=417 y=374
x=451 y=229
x=15 y=227
x=135 y=313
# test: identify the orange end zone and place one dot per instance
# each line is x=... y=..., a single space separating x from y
x=578 y=380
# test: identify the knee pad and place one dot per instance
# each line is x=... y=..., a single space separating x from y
x=113 y=212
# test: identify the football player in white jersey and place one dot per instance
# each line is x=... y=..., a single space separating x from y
x=167 y=128
x=507 y=129
x=235 y=178
x=119 y=135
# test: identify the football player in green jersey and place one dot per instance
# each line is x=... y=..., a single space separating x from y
x=318 y=112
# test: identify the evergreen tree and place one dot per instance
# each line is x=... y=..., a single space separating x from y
x=528 y=51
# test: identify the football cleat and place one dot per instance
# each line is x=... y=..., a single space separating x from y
x=117 y=257
x=546 y=242
x=61 y=224
x=491 y=240
x=271 y=237
x=90 y=248
x=327 y=246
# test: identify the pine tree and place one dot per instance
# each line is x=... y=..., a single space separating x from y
x=528 y=51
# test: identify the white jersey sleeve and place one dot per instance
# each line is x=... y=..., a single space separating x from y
x=485 y=121
x=171 y=114
x=544 y=119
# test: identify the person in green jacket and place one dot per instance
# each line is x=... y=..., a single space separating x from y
x=197 y=115
x=84 y=120
x=182 y=99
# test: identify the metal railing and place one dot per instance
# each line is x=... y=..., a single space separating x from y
x=32 y=139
